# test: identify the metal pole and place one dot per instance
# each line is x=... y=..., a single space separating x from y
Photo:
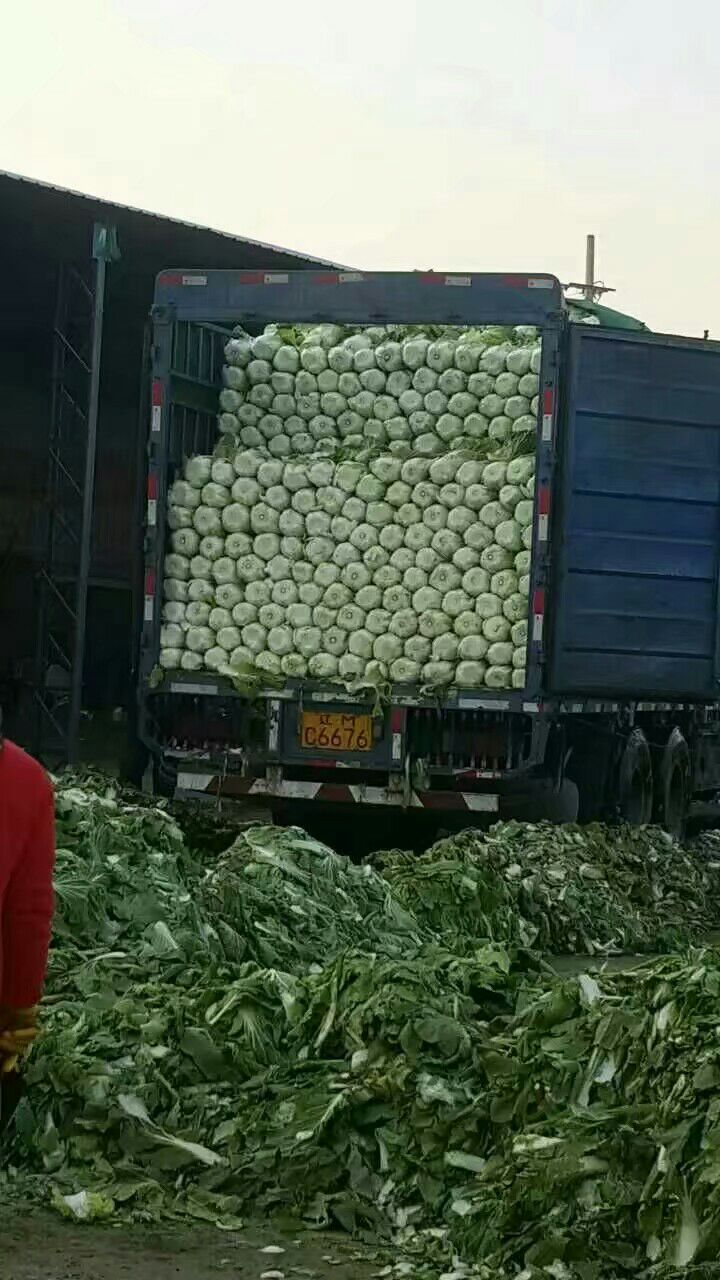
x=50 y=496
x=589 y=289
x=76 y=692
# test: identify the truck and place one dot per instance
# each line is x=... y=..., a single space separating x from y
x=618 y=718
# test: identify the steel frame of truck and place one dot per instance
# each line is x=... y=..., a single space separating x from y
x=632 y=728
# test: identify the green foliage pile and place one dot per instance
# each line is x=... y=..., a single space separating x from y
x=379 y=1047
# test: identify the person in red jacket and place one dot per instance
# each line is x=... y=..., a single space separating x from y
x=27 y=855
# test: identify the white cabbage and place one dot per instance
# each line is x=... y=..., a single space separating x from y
x=201 y=589
x=199 y=639
x=500 y=654
x=215 y=495
x=198 y=471
x=445 y=576
x=173 y=612
x=417 y=648
x=200 y=567
x=229 y=637
x=337 y=595
x=369 y=597
x=270 y=615
x=415 y=577
x=387 y=648
x=498 y=677
x=438 y=673
x=467 y=356
x=237 y=545
x=179 y=518
x=258 y=591
x=387 y=576
x=377 y=622
x=432 y=623
x=524 y=513
x=402 y=559
x=219 y=617
x=515 y=605
x=177 y=566
x=285 y=592
x=508 y=534
x=504 y=583
x=456 y=601
x=323 y=617
x=345 y=555
x=323 y=666
x=493 y=558
x=176 y=589
x=185 y=541
x=223 y=569
x=379 y=514
x=170 y=659
x=470 y=674
x=467 y=623
x=476 y=426
x=435 y=516
x=360 y=643
x=460 y=519
x=497 y=628
x=472 y=648
x=418 y=537
x=268 y=662
x=445 y=647
x=191 y=661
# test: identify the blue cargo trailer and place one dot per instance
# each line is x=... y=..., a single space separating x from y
x=619 y=713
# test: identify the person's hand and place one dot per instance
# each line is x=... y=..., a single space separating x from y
x=18 y=1030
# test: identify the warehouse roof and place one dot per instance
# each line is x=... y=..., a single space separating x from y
x=27 y=200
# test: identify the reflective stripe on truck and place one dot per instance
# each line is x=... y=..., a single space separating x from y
x=192 y=784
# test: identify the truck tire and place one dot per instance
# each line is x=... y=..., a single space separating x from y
x=634 y=787
x=673 y=785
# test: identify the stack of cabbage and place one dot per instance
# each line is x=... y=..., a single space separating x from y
x=414 y=571
x=318 y=388
x=367 y=516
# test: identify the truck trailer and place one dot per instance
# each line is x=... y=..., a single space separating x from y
x=618 y=714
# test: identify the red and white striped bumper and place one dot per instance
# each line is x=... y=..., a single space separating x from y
x=191 y=783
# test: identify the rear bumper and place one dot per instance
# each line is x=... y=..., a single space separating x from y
x=465 y=756
x=196 y=785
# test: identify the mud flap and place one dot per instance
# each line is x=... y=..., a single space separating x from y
x=547 y=804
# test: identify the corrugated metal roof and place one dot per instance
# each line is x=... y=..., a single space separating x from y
x=165 y=218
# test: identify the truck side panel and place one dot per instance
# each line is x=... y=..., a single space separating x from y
x=637 y=538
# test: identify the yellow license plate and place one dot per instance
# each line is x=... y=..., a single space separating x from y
x=333 y=731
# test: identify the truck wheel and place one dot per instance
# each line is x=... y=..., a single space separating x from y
x=673 y=785
x=634 y=796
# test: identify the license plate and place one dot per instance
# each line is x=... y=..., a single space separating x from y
x=333 y=731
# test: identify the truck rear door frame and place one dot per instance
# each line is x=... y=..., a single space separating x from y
x=217 y=299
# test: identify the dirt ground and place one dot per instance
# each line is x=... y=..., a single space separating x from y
x=40 y=1246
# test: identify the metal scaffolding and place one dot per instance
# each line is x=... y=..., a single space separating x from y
x=64 y=575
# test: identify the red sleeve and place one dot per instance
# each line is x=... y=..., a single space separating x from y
x=27 y=910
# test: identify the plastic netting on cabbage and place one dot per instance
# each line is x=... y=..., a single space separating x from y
x=367 y=515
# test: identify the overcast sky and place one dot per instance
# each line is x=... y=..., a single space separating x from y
x=464 y=134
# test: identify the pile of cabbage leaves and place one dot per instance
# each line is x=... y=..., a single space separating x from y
x=387 y=1048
